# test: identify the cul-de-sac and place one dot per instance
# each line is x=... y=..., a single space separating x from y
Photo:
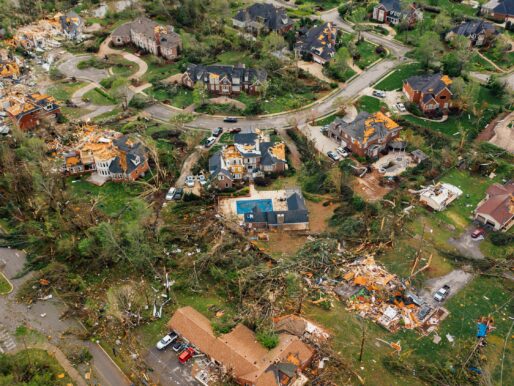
x=256 y=192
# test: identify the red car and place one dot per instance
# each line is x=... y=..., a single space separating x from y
x=186 y=355
x=477 y=233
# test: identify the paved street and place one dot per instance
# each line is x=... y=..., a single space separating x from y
x=14 y=314
x=168 y=370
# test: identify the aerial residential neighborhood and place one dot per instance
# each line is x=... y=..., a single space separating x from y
x=256 y=192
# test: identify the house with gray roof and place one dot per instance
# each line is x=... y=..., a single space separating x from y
x=499 y=10
x=296 y=217
x=393 y=12
x=318 y=42
x=72 y=25
x=479 y=32
x=430 y=92
x=149 y=36
x=224 y=79
x=263 y=18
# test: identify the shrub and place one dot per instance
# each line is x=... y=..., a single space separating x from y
x=501 y=239
x=268 y=338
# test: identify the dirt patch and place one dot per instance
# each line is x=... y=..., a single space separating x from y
x=457 y=279
x=504 y=134
x=369 y=187
x=282 y=243
x=315 y=70
x=319 y=215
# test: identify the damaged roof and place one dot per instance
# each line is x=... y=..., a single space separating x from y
x=429 y=84
x=274 y=18
x=474 y=27
x=319 y=40
x=200 y=72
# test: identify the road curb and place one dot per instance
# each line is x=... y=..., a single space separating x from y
x=8 y=282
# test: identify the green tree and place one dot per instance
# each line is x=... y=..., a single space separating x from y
x=199 y=94
x=429 y=50
x=274 y=42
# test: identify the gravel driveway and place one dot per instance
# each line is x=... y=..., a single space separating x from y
x=467 y=246
x=456 y=279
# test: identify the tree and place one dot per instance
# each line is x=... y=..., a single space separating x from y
x=199 y=94
x=429 y=49
x=442 y=22
x=339 y=64
x=466 y=95
x=496 y=86
x=452 y=65
x=274 y=42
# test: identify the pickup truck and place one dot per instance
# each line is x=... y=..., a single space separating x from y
x=442 y=293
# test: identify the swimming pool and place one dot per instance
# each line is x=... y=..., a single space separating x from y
x=246 y=206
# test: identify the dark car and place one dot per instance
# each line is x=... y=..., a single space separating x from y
x=230 y=119
x=235 y=130
x=178 y=346
x=217 y=131
x=477 y=233
x=178 y=194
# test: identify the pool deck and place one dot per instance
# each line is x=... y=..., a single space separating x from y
x=400 y=162
x=228 y=206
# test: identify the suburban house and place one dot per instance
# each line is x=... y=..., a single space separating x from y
x=224 y=79
x=251 y=155
x=263 y=18
x=392 y=12
x=241 y=355
x=479 y=32
x=497 y=208
x=367 y=135
x=499 y=10
x=71 y=25
x=149 y=36
x=439 y=196
x=295 y=217
x=108 y=155
x=9 y=69
x=430 y=92
x=319 y=41
x=28 y=112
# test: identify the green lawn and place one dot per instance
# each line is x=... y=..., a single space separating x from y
x=122 y=67
x=5 y=285
x=367 y=54
x=235 y=57
x=394 y=80
x=158 y=70
x=181 y=99
x=107 y=115
x=99 y=97
x=326 y=121
x=369 y=104
x=73 y=112
x=227 y=138
x=64 y=90
x=505 y=61
x=477 y=63
x=285 y=102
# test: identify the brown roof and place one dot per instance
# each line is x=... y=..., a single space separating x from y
x=500 y=202
x=238 y=351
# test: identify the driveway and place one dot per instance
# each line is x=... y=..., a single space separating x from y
x=457 y=279
x=167 y=369
x=14 y=314
x=69 y=68
x=467 y=246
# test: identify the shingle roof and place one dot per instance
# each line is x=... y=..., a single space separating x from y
x=319 y=40
x=273 y=18
x=432 y=84
x=474 y=27
x=500 y=204
x=148 y=28
x=296 y=213
x=391 y=5
x=246 y=138
x=200 y=72
x=505 y=7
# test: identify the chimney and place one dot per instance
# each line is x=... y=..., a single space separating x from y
x=280 y=218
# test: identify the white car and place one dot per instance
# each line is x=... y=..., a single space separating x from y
x=401 y=107
x=210 y=141
x=190 y=181
x=340 y=150
x=334 y=156
x=379 y=93
x=202 y=179
x=171 y=194
x=166 y=341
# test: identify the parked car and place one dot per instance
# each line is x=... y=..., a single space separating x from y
x=379 y=93
x=217 y=131
x=401 y=107
x=342 y=152
x=186 y=355
x=178 y=346
x=235 y=130
x=209 y=141
x=477 y=233
x=230 y=119
x=178 y=194
x=333 y=155
x=442 y=293
x=190 y=181
x=166 y=341
x=171 y=194
x=202 y=179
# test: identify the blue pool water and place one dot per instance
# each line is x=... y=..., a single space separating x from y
x=246 y=206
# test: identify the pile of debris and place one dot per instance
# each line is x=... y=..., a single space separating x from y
x=376 y=294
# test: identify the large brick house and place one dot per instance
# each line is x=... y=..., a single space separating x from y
x=149 y=36
x=497 y=208
x=430 y=92
x=107 y=154
x=30 y=111
x=225 y=80
x=263 y=17
x=367 y=135
x=393 y=12
x=479 y=32
x=251 y=155
x=499 y=10
x=319 y=41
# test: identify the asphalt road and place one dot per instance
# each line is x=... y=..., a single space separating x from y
x=168 y=370
x=14 y=314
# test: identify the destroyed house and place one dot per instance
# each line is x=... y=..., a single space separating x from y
x=479 y=32
x=496 y=210
x=9 y=69
x=318 y=42
x=239 y=354
x=394 y=12
x=367 y=135
x=296 y=217
x=439 y=196
x=108 y=154
x=263 y=17
x=29 y=112
x=430 y=92
x=71 y=24
x=149 y=36
x=250 y=156
x=224 y=79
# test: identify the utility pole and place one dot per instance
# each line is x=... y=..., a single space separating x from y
x=363 y=338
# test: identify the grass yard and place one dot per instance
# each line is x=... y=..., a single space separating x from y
x=477 y=63
x=99 y=97
x=74 y=112
x=235 y=57
x=227 y=138
x=181 y=99
x=326 y=121
x=505 y=61
x=394 y=81
x=64 y=90
x=5 y=285
x=107 y=115
x=369 y=104
x=122 y=67
x=158 y=70
x=367 y=54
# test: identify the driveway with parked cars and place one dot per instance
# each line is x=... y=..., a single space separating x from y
x=468 y=246
x=167 y=370
x=456 y=280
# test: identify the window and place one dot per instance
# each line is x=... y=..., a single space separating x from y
x=442 y=97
